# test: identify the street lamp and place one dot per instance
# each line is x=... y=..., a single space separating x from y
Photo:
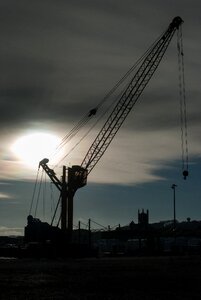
x=174 y=206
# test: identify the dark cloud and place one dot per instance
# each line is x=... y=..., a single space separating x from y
x=59 y=59
x=23 y=88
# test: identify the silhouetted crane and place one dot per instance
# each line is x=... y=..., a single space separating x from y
x=77 y=175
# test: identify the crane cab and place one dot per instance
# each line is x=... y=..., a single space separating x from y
x=77 y=177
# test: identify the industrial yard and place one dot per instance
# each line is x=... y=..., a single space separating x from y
x=101 y=278
x=58 y=63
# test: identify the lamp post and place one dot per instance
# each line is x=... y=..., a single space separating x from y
x=174 y=204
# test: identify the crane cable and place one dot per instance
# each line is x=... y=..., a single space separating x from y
x=85 y=135
x=34 y=192
x=44 y=196
x=74 y=131
x=183 y=109
x=55 y=211
x=92 y=112
x=128 y=73
x=39 y=190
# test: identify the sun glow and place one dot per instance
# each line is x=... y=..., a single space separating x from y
x=32 y=148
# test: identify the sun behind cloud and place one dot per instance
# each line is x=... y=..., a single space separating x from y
x=32 y=148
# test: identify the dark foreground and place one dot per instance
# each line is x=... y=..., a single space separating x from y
x=104 y=278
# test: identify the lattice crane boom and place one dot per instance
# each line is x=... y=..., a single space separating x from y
x=50 y=173
x=129 y=97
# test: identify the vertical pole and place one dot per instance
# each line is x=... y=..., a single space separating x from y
x=71 y=192
x=64 y=200
x=174 y=204
x=174 y=211
x=79 y=232
x=70 y=210
x=89 y=225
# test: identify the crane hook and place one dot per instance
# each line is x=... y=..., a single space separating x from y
x=185 y=174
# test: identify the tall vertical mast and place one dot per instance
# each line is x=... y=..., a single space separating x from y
x=64 y=201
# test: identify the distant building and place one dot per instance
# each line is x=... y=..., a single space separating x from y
x=143 y=218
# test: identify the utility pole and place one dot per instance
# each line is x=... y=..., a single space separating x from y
x=89 y=228
x=174 y=205
x=64 y=201
x=79 y=231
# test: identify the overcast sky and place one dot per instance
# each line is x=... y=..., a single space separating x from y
x=58 y=60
